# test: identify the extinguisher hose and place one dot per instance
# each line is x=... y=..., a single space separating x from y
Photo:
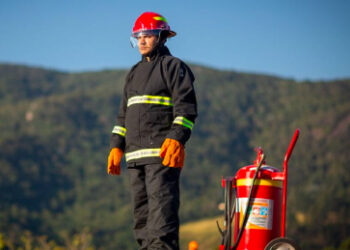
x=245 y=219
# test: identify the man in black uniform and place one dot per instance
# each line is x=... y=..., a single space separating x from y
x=155 y=119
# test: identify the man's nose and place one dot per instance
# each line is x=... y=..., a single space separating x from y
x=142 y=40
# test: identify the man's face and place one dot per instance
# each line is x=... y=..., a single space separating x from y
x=146 y=43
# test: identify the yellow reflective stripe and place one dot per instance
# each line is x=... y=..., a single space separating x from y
x=142 y=153
x=119 y=130
x=183 y=121
x=262 y=182
x=150 y=99
x=160 y=18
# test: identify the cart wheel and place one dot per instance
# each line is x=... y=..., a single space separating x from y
x=282 y=244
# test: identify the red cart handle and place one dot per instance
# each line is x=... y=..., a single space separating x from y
x=285 y=175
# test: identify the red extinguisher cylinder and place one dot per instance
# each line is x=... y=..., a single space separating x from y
x=264 y=221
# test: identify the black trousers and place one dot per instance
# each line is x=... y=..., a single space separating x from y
x=155 y=196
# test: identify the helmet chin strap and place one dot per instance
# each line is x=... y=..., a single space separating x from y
x=160 y=41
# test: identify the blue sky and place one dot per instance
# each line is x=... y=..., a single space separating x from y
x=300 y=39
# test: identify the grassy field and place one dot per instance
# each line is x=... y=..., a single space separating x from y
x=205 y=232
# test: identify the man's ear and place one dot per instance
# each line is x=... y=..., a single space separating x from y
x=163 y=37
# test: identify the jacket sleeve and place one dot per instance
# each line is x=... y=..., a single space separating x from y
x=180 y=80
x=117 y=139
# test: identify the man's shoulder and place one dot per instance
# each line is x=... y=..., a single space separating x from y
x=170 y=61
x=131 y=72
x=135 y=65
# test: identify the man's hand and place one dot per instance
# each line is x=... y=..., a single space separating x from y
x=173 y=153
x=114 y=159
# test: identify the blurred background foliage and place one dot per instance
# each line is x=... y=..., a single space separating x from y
x=54 y=142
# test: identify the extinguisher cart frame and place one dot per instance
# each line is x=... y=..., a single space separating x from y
x=228 y=183
x=285 y=180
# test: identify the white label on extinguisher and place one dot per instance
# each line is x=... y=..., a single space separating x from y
x=260 y=213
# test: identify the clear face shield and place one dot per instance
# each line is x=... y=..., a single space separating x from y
x=135 y=37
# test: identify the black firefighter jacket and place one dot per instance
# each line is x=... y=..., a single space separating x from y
x=159 y=102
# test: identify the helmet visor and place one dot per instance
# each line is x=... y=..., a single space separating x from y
x=145 y=33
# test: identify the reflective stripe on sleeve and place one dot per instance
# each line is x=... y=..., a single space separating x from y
x=142 y=153
x=119 y=130
x=150 y=99
x=183 y=121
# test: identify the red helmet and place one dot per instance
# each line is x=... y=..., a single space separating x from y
x=151 y=22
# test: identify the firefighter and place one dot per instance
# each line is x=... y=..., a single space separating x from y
x=155 y=119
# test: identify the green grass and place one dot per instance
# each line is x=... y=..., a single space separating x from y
x=204 y=231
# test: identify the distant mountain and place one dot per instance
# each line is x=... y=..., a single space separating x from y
x=54 y=140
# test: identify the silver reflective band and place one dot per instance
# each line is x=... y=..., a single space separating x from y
x=183 y=121
x=119 y=130
x=142 y=153
x=150 y=99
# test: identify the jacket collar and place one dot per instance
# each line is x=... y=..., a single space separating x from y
x=156 y=53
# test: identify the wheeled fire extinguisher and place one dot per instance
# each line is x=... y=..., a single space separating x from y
x=257 y=213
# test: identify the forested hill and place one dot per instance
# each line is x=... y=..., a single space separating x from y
x=54 y=140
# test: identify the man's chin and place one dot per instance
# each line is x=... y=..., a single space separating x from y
x=144 y=51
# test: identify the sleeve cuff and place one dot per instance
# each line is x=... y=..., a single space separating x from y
x=117 y=141
x=180 y=133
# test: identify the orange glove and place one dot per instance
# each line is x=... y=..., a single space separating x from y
x=173 y=153
x=114 y=159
